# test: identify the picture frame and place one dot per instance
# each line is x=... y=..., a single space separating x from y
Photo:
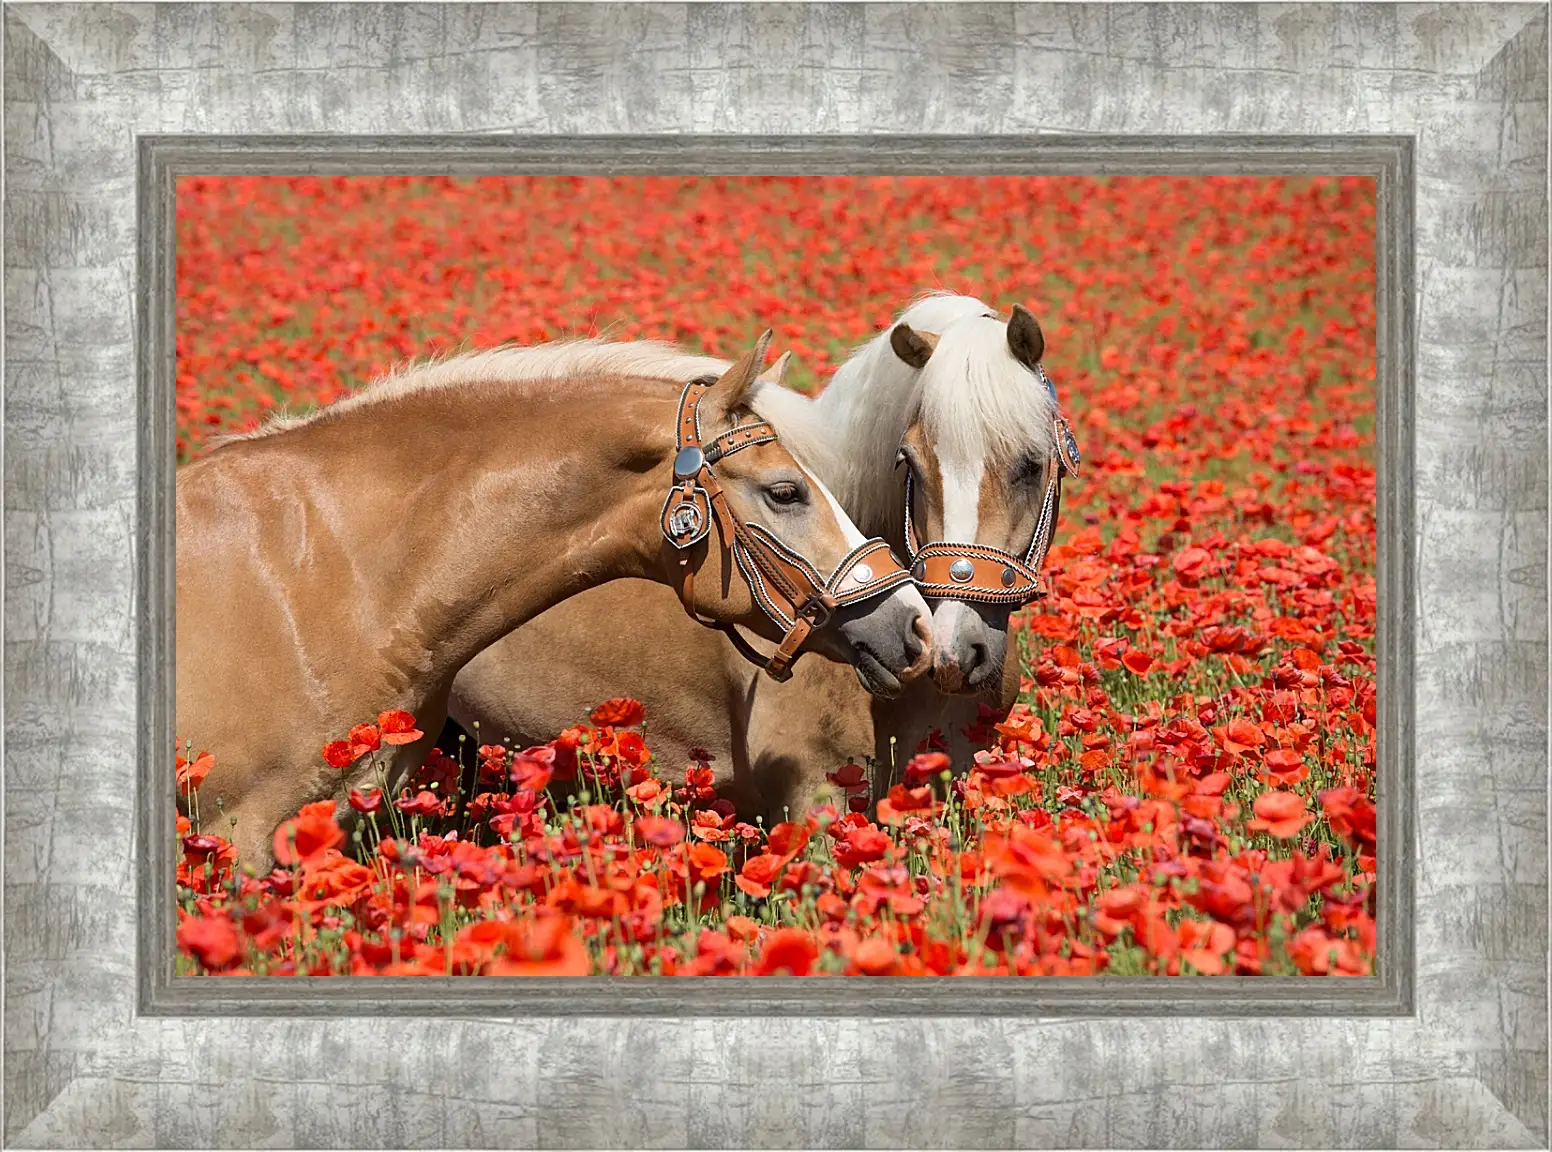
x=1444 y=1046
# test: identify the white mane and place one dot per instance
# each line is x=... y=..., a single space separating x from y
x=977 y=400
x=973 y=396
x=555 y=361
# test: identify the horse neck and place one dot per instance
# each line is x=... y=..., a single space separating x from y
x=494 y=509
x=862 y=415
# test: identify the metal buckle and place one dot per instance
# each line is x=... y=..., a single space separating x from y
x=816 y=612
x=685 y=522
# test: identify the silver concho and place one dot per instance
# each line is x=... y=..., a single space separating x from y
x=862 y=573
x=689 y=462
x=685 y=520
x=961 y=570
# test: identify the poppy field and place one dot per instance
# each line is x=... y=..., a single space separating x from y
x=1187 y=784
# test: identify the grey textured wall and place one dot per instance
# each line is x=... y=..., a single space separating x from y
x=1470 y=81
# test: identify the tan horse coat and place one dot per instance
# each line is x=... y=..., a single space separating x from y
x=335 y=567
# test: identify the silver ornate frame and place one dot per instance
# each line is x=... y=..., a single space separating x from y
x=1446 y=106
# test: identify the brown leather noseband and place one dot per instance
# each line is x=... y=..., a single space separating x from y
x=980 y=573
x=788 y=588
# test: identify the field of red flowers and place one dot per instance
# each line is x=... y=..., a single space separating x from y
x=1187 y=784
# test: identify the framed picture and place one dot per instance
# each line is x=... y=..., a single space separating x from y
x=1125 y=552
x=1168 y=773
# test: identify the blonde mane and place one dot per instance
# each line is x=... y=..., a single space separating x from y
x=537 y=363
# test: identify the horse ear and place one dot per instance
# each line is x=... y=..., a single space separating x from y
x=733 y=386
x=913 y=347
x=775 y=376
x=1025 y=340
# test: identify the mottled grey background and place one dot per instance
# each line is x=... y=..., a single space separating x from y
x=1470 y=81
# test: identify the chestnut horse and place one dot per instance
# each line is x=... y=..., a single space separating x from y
x=953 y=394
x=353 y=561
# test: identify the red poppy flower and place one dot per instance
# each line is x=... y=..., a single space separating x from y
x=759 y=873
x=1240 y=735
x=311 y=832
x=787 y=840
x=631 y=749
x=421 y=804
x=650 y=793
x=849 y=778
x=742 y=928
x=861 y=846
x=902 y=803
x=1285 y=766
x=531 y=772
x=1204 y=945
x=1191 y=563
x=706 y=863
x=365 y=737
x=875 y=956
x=1351 y=814
x=191 y=773
x=659 y=831
x=787 y=952
x=540 y=946
x=341 y=754
x=1280 y=814
x=707 y=825
x=1137 y=663
x=621 y=712
x=203 y=847
x=212 y=940
x=366 y=802
x=927 y=766
x=396 y=727
x=331 y=880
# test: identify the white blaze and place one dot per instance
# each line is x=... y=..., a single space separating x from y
x=961 y=518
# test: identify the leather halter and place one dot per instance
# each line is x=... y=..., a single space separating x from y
x=980 y=573
x=788 y=588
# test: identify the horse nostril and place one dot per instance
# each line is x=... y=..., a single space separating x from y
x=973 y=661
x=918 y=647
x=923 y=629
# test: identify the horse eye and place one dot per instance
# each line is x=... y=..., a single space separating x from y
x=784 y=493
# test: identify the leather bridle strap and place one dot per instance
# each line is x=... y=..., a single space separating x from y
x=787 y=587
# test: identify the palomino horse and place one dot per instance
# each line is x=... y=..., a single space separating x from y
x=952 y=393
x=355 y=560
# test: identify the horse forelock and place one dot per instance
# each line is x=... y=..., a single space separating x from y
x=978 y=402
